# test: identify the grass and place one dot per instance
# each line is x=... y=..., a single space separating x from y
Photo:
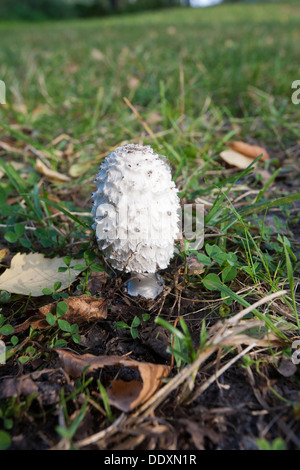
x=186 y=81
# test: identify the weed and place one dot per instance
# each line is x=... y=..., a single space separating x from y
x=133 y=327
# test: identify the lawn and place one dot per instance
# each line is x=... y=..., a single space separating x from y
x=188 y=82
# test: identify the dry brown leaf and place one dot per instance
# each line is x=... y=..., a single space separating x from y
x=69 y=150
x=50 y=174
x=45 y=383
x=5 y=255
x=236 y=159
x=31 y=273
x=123 y=395
x=235 y=340
x=16 y=386
x=37 y=322
x=40 y=109
x=249 y=150
x=61 y=137
x=11 y=149
x=96 y=282
x=82 y=308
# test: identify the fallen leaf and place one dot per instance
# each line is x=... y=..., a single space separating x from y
x=80 y=309
x=31 y=273
x=40 y=109
x=37 y=322
x=97 y=55
x=69 y=150
x=249 y=150
x=245 y=339
x=16 y=386
x=49 y=173
x=11 y=149
x=5 y=255
x=61 y=137
x=46 y=384
x=123 y=395
x=236 y=159
x=96 y=282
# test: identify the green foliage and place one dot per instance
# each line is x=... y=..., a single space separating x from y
x=105 y=400
x=5 y=440
x=5 y=328
x=182 y=346
x=55 y=295
x=71 y=425
x=67 y=330
x=133 y=327
x=86 y=269
x=37 y=10
x=276 y=444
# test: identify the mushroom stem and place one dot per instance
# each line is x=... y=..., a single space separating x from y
x=147 y=285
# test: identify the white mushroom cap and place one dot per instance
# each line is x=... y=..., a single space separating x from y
x=136 y=210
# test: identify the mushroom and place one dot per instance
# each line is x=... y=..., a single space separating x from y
x=136 y=212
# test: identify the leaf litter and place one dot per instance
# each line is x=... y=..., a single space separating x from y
x=124 y=395
x=30 y=273
x=81 y=309
x=241 y=154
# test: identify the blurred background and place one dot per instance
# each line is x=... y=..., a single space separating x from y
x=194 y=76
x=35 y=10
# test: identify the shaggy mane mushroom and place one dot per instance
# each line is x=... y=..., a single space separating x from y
x=136 y=215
